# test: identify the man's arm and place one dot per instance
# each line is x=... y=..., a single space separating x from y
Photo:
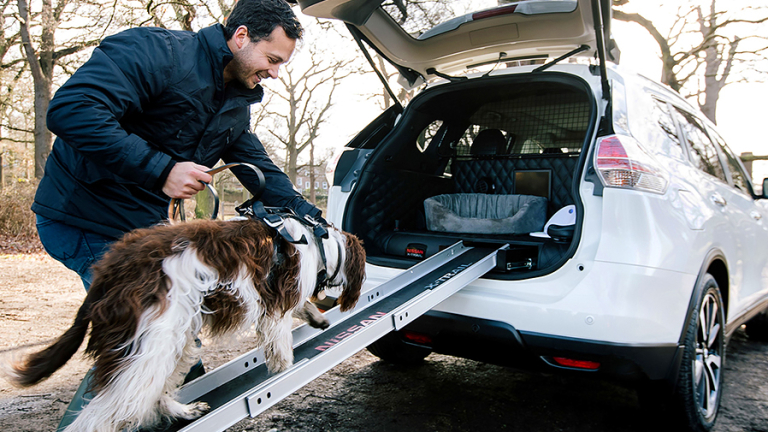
x=279 y=191
x=183 y=181
x=123 y=74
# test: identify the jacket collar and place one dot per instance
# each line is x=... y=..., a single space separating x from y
x=219 y=54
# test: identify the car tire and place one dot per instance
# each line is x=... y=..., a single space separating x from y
x=393 y=349
x=700 y=379
x=757 y=327
x=693 y=402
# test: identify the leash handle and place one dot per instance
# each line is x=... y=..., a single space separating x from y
x=176 y=206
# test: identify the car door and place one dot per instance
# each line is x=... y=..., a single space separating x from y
x=728 y=231
x=752 y=225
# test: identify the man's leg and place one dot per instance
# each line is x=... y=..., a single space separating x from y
x=76 y=248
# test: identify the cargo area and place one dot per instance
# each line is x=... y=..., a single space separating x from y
x=487 y=161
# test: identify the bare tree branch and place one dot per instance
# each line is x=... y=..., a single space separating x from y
x=716 y=57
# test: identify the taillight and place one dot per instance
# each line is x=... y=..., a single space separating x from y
x=621 y=162
x=417 y=338
x=576 y=364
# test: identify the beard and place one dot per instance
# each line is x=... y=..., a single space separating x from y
x=244 y=74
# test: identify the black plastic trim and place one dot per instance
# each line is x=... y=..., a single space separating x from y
x=500 y=343
x=712 y=256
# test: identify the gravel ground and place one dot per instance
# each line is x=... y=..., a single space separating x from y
x=39 y=297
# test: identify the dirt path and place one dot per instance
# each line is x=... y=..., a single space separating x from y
x=39 y=297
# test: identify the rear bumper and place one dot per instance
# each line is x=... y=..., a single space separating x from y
x=500 y=343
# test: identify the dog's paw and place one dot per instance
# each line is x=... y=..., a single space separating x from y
x=320 y=322
x=275 y=366
x=195 y=410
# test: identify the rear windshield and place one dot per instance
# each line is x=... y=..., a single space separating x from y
x=426 y=18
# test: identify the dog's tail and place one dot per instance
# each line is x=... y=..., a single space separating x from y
x=39 y=366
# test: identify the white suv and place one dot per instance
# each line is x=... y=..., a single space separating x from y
x=637 y=244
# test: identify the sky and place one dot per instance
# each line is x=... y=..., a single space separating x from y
x=741 y=112
x=741 y=109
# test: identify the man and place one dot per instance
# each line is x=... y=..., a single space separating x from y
x=147 y=115
x=143 y=120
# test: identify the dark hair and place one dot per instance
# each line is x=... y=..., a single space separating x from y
x=261 y=17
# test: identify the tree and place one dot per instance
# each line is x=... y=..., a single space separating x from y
x=43 y=60
x=40 y=31
x=10 y=71
x=190 y=15
x=706 y=47
x=297 y=111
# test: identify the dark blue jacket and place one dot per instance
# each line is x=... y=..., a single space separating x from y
x=146 y=99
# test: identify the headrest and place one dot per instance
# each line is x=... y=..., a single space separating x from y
x=489 y=142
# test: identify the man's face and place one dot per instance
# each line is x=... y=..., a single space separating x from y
x=254 y=62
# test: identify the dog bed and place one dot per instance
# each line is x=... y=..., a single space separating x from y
x=485 y=214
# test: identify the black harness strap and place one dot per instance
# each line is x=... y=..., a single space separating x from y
x=274 y=217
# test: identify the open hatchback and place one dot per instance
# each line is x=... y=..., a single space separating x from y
x=620 y=208
x=491 y=157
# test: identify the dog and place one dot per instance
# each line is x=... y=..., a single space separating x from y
x=157 y=288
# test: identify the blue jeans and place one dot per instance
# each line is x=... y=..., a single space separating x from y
x=76 y=248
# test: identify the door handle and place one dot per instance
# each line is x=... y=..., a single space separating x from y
x=755 y=215
x=718 y=200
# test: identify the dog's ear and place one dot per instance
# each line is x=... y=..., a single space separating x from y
x=354 y=270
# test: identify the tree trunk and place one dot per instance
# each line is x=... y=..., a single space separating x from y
x=43 y=137
x=42 y=74
x=291 y=164
x=312 y=190
x=291 y=144
x=668 y=63
x=712 y=63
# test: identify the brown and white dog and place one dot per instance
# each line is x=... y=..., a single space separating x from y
x=157 y=288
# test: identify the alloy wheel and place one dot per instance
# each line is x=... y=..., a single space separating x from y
x=707 y=362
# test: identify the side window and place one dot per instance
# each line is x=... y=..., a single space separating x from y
x=652 y=124
x=666 y=133
x=426 y=136
x=703 y=151
x=739 y=177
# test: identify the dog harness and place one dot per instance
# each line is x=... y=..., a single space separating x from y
x=274 y=217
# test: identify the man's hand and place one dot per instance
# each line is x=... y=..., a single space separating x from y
x=184 y=180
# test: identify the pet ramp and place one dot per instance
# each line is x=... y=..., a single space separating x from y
x=243 y=387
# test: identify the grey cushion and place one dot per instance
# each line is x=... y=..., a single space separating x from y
x=486 y=214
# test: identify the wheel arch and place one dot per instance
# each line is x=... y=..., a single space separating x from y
x=716 y=265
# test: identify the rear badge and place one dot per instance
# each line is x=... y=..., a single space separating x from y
x=416 y=250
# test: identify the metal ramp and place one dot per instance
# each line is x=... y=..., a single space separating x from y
x=243 y=387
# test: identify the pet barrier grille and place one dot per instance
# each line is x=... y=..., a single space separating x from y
x=552 y=123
